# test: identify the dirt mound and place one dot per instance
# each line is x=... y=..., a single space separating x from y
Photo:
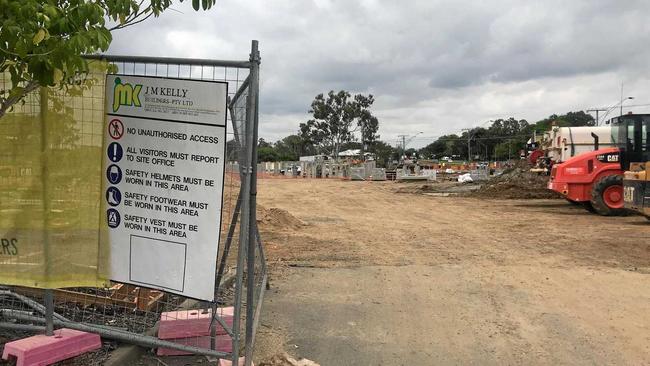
x=516 y=183
x=417 y=188
x=452 y=188
x=276 y=218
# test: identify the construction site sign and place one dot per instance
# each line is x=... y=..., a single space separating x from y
x=164 y=169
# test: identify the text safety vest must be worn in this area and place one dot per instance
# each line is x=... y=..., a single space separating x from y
x=164 y=170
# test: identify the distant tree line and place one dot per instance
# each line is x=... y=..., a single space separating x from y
x=342 y=121
x=501 y=140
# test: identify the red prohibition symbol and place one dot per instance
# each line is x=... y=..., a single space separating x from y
x=116 y=129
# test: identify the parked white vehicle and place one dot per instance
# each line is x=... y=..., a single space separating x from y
x=562 y=143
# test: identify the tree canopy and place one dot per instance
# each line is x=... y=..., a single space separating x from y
x=502 y=139
x=42 y=41
x=336 y=119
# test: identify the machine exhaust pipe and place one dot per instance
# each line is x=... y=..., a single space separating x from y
x=595 y=141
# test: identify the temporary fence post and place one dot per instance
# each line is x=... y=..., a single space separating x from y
x=245 y=217
x=48 y=297
x=49 y=294
x=252 y=231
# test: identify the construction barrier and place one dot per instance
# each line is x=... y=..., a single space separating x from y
x=50 y=203
x=51 y=156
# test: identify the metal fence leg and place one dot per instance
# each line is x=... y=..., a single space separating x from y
x=252 y=228
x=226 y=248
x=220 y=270
x=243 y=225
x=49 y=312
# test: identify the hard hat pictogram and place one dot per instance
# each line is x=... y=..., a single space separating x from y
x=114 y=174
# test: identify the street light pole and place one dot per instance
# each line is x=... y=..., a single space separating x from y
x=623 y=100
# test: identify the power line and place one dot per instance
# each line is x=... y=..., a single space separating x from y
x=597 y=110
x=473 y=138
x=631 y=105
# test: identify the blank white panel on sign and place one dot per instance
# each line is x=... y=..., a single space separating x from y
x=168 y=269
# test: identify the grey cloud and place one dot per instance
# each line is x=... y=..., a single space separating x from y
x=452 y=61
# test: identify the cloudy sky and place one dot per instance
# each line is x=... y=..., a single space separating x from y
x=435 y=67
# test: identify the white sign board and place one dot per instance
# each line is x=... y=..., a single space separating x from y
x=164 y=169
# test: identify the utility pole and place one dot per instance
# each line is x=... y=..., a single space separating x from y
x=405 y=141
x=597 y=110
x=469 y=146
x=402 y=145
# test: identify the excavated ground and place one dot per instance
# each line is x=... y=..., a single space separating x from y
x=361 y=275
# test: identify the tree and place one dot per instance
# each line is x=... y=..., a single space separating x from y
x=287 y=149
x=368 y=123
x=446 y=145
x=384 y=153
x=570 y=119
x=351 y=145
x=580 y=118
x=506 y=150
x=262 y=143
x=337 y=118
x=267 y=153
x=292 y=147
x=411 y=153
x=42 y=41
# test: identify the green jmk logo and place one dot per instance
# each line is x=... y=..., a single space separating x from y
x=125 y=94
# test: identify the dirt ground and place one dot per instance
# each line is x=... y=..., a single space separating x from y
x=361 y=275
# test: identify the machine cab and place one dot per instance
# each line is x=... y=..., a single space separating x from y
x=632 y=133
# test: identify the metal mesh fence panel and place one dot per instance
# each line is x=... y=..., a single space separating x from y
x=50 y=156
x=133 y=313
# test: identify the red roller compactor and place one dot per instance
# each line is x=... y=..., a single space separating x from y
x=593 y=179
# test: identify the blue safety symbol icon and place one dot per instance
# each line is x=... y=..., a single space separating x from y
x=113 y=218
x=113 y=196
x=115 y=152
x=114 y=174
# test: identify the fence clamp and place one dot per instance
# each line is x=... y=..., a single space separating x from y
x=246 y=170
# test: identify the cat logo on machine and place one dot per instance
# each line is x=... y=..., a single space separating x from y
x=608 y=158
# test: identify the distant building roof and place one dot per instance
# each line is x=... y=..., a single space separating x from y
x=351 y=152
x=311 y=158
